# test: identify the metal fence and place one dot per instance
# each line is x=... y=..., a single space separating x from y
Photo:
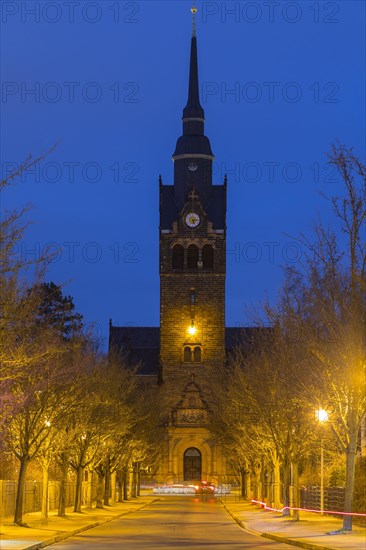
x=333 y=498
x=33 y=496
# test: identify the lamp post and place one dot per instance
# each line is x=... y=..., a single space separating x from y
x=322 y=416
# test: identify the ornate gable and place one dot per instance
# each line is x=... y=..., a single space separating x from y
x=191 y=409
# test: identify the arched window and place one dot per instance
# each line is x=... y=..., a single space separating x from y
x=187 y=355
x=207 y=257
x=197 y=354
x=192 y=403
x=178 y=256
x=192 y=256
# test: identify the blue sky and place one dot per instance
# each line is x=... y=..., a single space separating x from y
x=280 y=82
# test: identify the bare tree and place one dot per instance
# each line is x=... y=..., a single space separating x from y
x=265 y=384
x=17 y=351
x=42 y=395
x=325 y=304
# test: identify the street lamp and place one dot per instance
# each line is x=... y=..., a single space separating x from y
x=322 y=416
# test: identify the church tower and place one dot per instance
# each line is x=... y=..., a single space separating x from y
x=190 y=347
x=192 y=252
x=192 y=290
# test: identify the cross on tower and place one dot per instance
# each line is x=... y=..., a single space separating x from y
x=193 y=195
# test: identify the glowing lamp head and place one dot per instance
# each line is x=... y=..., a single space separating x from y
x=322 y=415
x=192 y=330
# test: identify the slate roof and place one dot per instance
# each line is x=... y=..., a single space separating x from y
x=247 y=337
x=193 y=107
x=191 y=144
x=216 y=207
x=169 y=210
x=141 y=344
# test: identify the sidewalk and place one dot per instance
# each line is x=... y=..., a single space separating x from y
x=311 y=532
x=42 y=533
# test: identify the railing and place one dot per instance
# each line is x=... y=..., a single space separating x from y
x=333 y=498
x=33 y=495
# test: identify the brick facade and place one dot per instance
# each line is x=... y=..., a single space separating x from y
x=177 y=310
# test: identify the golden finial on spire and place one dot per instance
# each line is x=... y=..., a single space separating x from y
x=194 y=11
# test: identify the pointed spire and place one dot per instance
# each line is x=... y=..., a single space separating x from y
x=193 y=144
x=194 y=11
x=193 y=108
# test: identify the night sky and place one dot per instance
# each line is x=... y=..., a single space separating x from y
x=279 y=81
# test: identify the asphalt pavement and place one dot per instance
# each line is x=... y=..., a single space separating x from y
x=177 y=522
x=170 y=523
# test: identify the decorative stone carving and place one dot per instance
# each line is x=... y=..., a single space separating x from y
x=191 y=416
x=191 y=409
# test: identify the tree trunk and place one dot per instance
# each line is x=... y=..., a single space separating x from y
x=276 y=483
x=138 y=489
x=63 y=481
x=363 y=436
x=89 y=489
x=286 y=488
x=242 y=482
x=295 y=490
x=100 y=489
x=79 y=488
x=271 y=486
x=257 y=481
x=248 y=490
x=18 y=515
x=350 y=480
x=120 y=490
x=125 y=484
x=113 y=488
x=107 y=484
x=120 y=486
x=45 y=479
x=262 y=485
x=133 y=492
x=130 y=482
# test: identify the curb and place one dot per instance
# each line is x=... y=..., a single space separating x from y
x=278 y=538
x=67 y=534
x=240 y=522
x=293 y=542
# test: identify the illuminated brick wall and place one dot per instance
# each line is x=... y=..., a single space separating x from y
x=178 y=309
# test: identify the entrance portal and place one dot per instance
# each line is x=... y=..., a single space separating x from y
x=192 y=465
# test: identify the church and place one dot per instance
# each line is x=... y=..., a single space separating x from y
x=192 y=342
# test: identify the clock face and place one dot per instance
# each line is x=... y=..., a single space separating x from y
x=192 y=219
x=192 y=166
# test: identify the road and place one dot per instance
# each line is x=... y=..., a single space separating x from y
x=171 y=522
